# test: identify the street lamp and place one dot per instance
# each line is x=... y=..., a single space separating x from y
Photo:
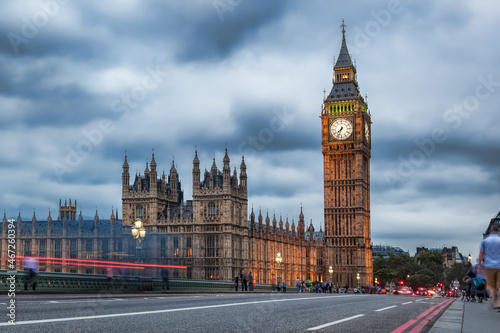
x=139 y=233
x=330 y=270
x=278 y=261
x=357 y=277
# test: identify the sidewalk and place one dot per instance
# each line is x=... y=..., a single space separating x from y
x=467 y=317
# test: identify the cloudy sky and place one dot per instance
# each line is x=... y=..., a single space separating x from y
x=84 y=81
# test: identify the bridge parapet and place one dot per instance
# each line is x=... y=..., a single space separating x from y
x=74 y=282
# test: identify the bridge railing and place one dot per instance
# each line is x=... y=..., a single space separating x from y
x=74 y=282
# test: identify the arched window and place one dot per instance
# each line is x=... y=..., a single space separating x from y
x=211 y=210
x=139 y=212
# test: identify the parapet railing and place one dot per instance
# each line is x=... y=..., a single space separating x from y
x=74 y=282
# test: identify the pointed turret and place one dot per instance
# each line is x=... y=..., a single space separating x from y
x=34 y=216
x=301 y=226
x=261 y=227
x=153 y=187
x=196 y=171
x=243 y=173
x=268 y=224
x=311 y=231
x=226 y=172
x=125 y=176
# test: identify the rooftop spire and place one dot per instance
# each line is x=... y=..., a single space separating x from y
x=344 y=59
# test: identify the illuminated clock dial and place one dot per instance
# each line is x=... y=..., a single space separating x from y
x=367 y=132
x=341 y=129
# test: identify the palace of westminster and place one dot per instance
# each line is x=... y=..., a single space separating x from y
x=214 y=235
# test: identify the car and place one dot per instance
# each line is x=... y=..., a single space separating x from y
x=421 y=291
x=404 y=290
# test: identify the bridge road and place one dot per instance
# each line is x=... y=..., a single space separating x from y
x=243 y=312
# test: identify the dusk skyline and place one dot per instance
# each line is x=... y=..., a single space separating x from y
x=84 y=82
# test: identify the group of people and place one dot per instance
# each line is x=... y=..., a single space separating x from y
x=323 y=287
x=246 y=282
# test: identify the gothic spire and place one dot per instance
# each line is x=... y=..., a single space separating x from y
x=344 y=59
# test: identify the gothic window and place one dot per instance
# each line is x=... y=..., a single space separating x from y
x=42 y=248
x=211 y=246
x=211 y=209
x=212 y=273
x=189 y=247
x=88 y=248
x=139 y=212
x=58 y=248
x=73 y=249
x=27 y=248
x=176 y=246
x=319 y=259
x=105 y=249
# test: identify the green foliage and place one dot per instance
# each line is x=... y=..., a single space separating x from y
x=424 y=270
x=457 y=271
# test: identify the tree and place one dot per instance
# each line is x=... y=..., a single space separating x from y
x=433 y=261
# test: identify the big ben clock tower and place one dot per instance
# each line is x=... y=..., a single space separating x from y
x=346 y=145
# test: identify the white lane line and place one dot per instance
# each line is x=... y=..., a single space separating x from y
x=334 y=322
x=87 y=301
x=389 y=307
x=53 y=320
x=407 y=302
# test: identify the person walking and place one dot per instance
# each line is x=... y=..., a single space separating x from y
x=250 y=281
x=31 y=264
x=236 y=280
x=243 y=282
x=489 y=260
x=164 y=275
x=298 y=284
x=284 y=286
x=109 y=275
x=273 y=282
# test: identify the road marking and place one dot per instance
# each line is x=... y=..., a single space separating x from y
x=407 y=302
x=334 y=322
x=403 y=327
x=53 y=320
x=389 y=307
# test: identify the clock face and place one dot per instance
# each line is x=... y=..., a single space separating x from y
x=341 y=129
x=367 y=132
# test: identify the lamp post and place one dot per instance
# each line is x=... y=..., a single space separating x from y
x=139 y=233
x=330 y=270
x=278 y=261
x=357 y=277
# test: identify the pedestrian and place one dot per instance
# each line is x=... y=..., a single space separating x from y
x=273 y=282
x=346 y=288
x=109 y=275
x=243 y=282
x=476 y=273
x=298 y=284
x=284 y=286
x=236 y=280
x=250 y=281
x=489 y=260
x=164 y=275
x=31 y=264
